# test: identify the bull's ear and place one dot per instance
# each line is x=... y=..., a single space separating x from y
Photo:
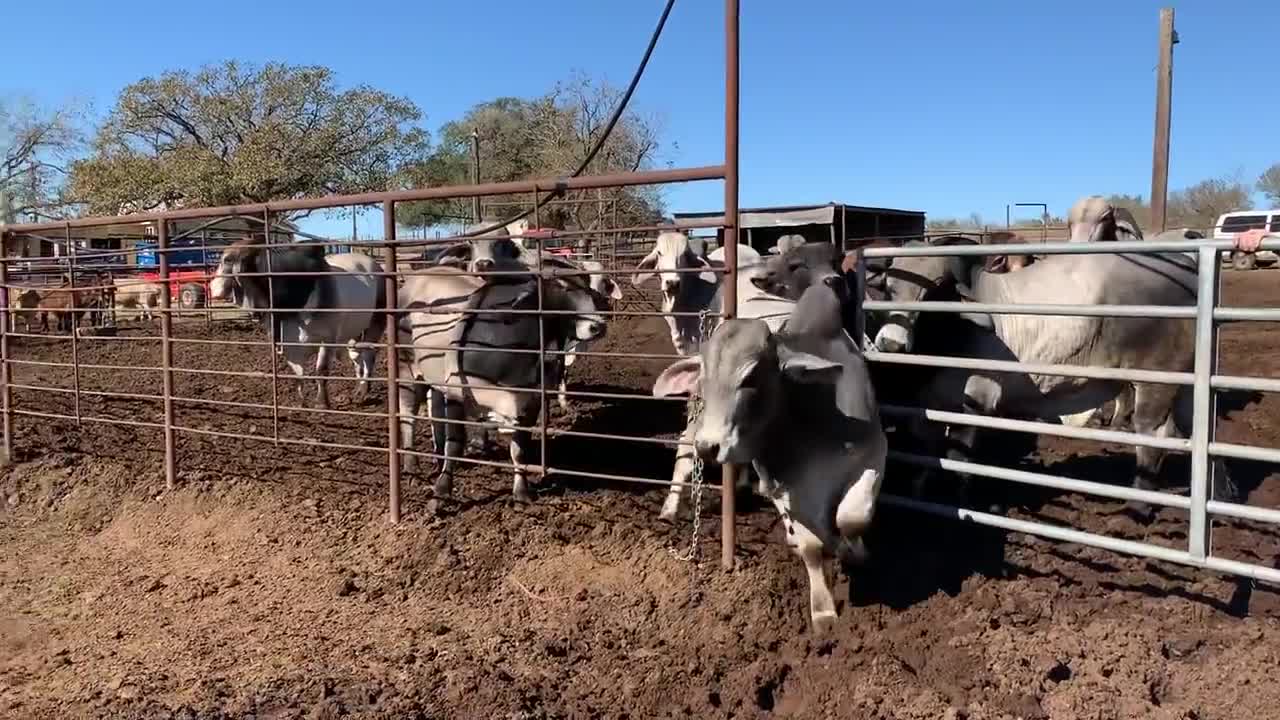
x=647 y=263
x=706 y=277
x=681 y=377
x=803 y=367
x=612 y=288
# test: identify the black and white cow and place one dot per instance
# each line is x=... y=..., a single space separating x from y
x=485 y=363
x=798 y=406
x=351 y=283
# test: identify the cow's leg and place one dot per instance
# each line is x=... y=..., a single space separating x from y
x=1123 y=414
x=854 y=514
x=294 y=357
x=981 y=397
x=449 y=439
x=680 y=474
x=1153 y=416
x=807 y=546
x=322 y=371
x=409 y=396
x=521 y=441
x=561 y=400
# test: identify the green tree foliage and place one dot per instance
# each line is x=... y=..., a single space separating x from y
x=233 y=133
x=35 y=147
x=1199 y=205
x=1269 y=184
x=546 y=136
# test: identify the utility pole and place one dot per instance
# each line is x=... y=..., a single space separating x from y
x=475 y=171
x=1164 y=93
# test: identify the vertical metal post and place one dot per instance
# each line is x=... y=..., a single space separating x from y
x=728 y=478
x=166 y=353
x=1203 y=419
x=75 y=321
x=204 y=282
x=272 y=335
x=860 y=295
x=476 y=209
x=545 y=410
x=1164 y=95
x=6 y=393
x=393 y=360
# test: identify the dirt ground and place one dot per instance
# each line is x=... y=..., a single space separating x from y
x=270 y=585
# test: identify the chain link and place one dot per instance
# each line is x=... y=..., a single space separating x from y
x=694 y=413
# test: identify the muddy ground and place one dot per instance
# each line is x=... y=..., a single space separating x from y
x=270 y=585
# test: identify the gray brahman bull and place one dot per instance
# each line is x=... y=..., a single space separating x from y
x=796 y=405
x=1121 y=342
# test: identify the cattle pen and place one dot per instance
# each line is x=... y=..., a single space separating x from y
x=187 y=539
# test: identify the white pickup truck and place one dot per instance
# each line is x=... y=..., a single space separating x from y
x=1231 y=224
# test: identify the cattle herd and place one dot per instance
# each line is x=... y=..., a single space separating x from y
x=785 y=388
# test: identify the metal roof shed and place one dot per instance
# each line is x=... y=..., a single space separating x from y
x=762 y=227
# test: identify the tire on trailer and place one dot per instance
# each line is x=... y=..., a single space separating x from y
x=191 y=296
x=1243 y=261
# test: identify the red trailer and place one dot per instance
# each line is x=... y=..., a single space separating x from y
x=187 y=288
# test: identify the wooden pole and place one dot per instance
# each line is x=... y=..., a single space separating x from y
x=1160 y=151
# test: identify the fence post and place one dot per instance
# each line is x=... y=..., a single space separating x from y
x=166 y=352
x=273 y=336
x=1202 y=395
x=728 y=482
x=5 y=391
x=859 y=294
x=393 y=360
x=75 y=321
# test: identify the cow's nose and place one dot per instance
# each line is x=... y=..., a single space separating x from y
x=484 y=265
x=596 y=329
x=670 y=286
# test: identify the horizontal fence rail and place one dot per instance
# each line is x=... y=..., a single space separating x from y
x=1203 y=380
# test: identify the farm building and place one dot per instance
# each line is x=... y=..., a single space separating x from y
x=761 y=227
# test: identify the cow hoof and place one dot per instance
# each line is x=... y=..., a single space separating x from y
x=443 y=487
x=855 y=554
x=1140 y=511
x=433 y=508
x=824 y=623
x=522 y=495
x=670 y=510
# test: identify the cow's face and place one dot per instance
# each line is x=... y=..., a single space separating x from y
x=224 y=281
x=670 y=254
x=908 y=279
x=489 y=255
x=588 y=322
x=740 y=375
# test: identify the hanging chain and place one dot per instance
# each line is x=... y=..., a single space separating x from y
x=694 y=413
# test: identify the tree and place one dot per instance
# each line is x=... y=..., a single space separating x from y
x=234 y=133
x=545 y=136
x=35 y=145
x=1269 y=184
x=1199 y=205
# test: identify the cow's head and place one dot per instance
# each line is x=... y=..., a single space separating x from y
x=1093 y=219
x=226 y=283
x=793 y=271
x=602 y=282
x=671 y=253
x=579 y=294
x=914 y=278
x=741 y=374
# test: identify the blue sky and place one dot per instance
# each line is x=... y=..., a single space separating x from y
x=949 y=108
